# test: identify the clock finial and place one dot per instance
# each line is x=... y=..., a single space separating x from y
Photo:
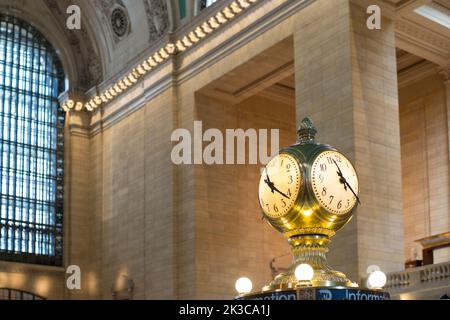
x=306 y=132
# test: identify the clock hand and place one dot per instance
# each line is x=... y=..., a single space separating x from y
x=354 y=193
x=284 y=195
x=269 y=183
x=342 y=180
x=268 y=179
x=341 y=176
x=273 y=188
x=345 y=182
x=339 y=169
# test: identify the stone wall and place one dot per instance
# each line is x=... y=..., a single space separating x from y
x=232 y=240
x=425 y=164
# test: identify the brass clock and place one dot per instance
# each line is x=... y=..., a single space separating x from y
x=280 y=185
x=308 y=192
x=334 y=182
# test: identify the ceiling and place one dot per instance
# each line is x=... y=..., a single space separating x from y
x=269 y=73
x=96 y=52
x=419 y=35
x=113 y=33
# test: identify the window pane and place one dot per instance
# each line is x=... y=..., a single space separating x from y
x=31 y=146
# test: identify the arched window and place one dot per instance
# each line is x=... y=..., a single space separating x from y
x=31 y=146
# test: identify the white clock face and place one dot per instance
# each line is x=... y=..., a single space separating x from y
x=279 y=185
x=335 y=182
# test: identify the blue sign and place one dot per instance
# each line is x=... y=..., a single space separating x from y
x=322 y=293
x=350 y=294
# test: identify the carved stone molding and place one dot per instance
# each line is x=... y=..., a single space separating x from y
x=157 y=17
x=423 y=35
x=89 y=73
x=115 y=15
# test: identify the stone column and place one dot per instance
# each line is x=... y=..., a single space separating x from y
x=346 y=80
x=445 y=72
x=79 y=220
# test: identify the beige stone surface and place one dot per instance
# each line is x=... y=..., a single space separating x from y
x=188 y=232
x=231 y=238
x=346 y=80
x=425 y=164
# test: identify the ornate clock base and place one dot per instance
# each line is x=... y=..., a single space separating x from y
x=312 y=250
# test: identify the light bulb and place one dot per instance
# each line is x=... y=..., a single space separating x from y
x=376 y=280
x=304 y=272
x=244 y=285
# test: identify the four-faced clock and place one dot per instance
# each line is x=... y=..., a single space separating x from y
x=308 y=193
x=334 y=182
x=280 y=185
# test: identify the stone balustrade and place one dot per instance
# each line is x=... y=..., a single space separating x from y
x=427 y=282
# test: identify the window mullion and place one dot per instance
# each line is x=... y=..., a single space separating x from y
x=10 y=229
x=17 y=208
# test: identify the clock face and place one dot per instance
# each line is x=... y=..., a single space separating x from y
x=280 y=185
x=334 y=182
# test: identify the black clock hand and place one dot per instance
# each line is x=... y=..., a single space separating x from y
x=269 y=183
x=284 y=195
x=339 y=169
x=272 y=186
x=341 y=176
x=345 y=182
x=354 y=193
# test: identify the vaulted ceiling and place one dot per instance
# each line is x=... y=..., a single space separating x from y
x=112 y=34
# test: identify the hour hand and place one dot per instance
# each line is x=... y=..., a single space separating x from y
x=269 y=183
x=342 y=180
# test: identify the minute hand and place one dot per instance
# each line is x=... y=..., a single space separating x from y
x=284 y=195
x=351 y=189
x=345 y=182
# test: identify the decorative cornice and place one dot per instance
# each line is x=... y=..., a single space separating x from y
x=423 y=42
x=160 y=56
x=131 y=106
x=241 y=38
x=424 y=36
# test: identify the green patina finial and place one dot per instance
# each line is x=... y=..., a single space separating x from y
x=306 y=131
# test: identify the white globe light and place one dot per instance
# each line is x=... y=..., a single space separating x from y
x=244 y=285
x=304 y=272
x=376 y=280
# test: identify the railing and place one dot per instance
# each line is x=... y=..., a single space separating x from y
x=397 y=280
x=437 y=272
x=425 y=282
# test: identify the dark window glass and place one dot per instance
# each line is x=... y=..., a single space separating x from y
x=31 y=146
x=182 y=7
